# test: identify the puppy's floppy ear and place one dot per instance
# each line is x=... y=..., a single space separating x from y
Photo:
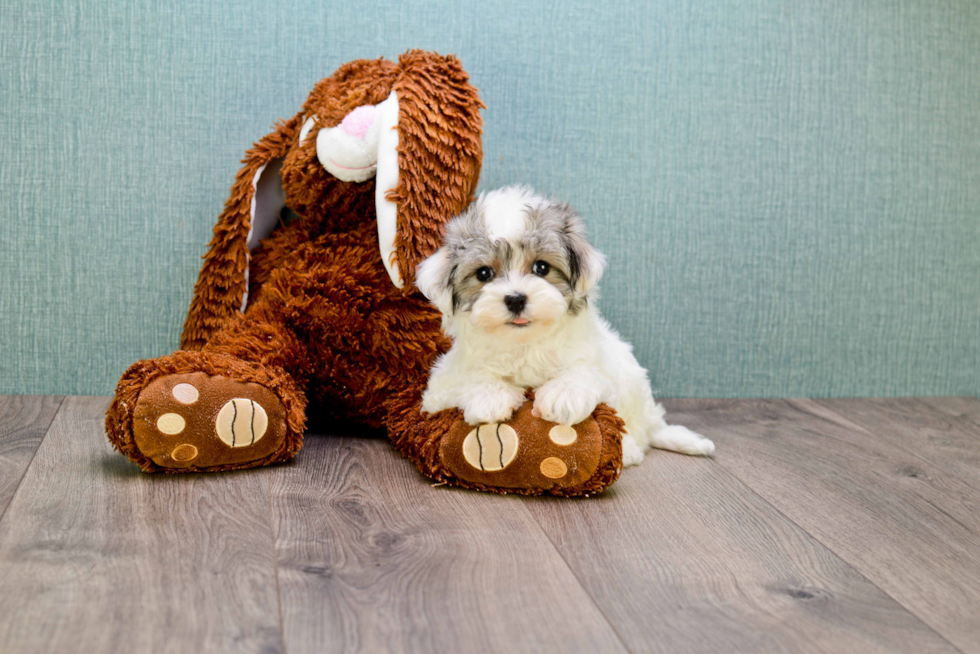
x=434 y=278
x=586 y=264
x=253 y=208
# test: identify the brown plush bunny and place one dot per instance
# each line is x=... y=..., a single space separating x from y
x=307 y=295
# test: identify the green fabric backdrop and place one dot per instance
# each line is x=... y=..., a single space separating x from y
x=788 y=191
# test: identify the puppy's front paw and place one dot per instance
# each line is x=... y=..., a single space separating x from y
x=491 y=404
x=565 y=402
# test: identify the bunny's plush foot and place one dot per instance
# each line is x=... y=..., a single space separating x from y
x=524 y=454
x=199 y=412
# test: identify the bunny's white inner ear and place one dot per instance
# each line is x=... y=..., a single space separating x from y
x=307 y=126
x=268 y=200
x=387 y=180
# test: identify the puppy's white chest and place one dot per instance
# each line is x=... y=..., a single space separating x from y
x=525 y=376
x=533 y=368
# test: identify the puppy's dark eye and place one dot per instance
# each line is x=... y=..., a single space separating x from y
x=484 y=274
x=540 y=268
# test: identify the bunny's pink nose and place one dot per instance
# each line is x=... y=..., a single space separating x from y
x=358 y=122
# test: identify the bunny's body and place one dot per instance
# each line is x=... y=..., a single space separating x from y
x=323 y=309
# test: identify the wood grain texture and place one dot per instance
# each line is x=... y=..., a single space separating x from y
x=24 y=419
x=682 y=557
x=830 y=526
x=942 y=430
x=908 y=525
x=373 y=558
x=98 y=557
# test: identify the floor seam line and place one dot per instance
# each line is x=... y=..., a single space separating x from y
x=834 y=552
x=577 y=579
x=47 y=430
x=275 y=563
x=840 y=558
x=899 y=446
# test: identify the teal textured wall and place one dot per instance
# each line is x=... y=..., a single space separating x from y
x=788 y=191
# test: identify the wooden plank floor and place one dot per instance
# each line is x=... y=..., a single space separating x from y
x=23 y=422
x=819 y=526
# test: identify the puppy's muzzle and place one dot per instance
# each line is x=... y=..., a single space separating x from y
x=516 y=303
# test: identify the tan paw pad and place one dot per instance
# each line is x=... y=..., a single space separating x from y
x=562 y=435
x=171 y=423
x=553 y=468
x=185 y=393
x=184 y=452
x=241 y=422
x=490 y=447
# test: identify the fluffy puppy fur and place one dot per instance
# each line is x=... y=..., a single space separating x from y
x=516 y=285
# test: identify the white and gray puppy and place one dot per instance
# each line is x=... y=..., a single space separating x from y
x=516 y=285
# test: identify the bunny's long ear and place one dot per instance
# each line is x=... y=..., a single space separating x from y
x=432 y=178
x=249 y=214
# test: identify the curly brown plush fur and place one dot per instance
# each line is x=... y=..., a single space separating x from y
x=324 y=321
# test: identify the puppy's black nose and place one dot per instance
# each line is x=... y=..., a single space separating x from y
x=516 y=302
